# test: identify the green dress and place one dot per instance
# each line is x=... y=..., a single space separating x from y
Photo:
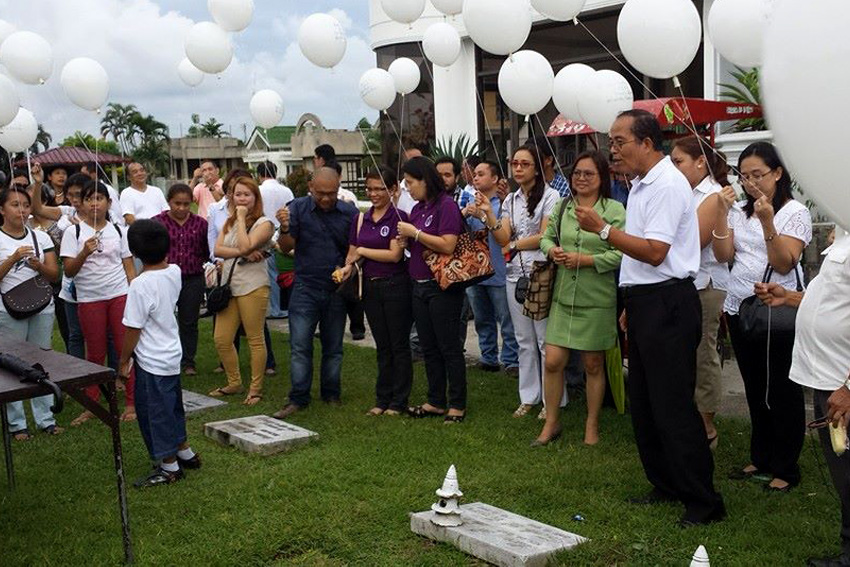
x=583 y=315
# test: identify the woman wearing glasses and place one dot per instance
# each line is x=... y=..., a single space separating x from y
x=96 y=255
x=525 y=215
x=583 y=316
x=771 y=229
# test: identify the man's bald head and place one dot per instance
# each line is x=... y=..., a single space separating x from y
x=324 y=187
x=412 y=153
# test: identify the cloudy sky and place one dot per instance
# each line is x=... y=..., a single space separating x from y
x=140 y=43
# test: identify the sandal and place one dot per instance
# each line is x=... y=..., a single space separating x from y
x=542 y=414
x=82 y=418
x=449 y=419
x=21 y=435
x=129 y=414
x=252 y=399
x=53 y=430
x=420 y=412
x=375 y=411
x=392 y=412
x=523 y=410
x=712 y=442
x=221 y=392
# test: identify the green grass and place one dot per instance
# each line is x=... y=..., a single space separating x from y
x=344 y=500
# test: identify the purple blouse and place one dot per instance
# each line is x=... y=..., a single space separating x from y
x=189 y=246
x=378 y=236
x=438 y=218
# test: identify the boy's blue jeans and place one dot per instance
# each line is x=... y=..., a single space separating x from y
x=159 y=407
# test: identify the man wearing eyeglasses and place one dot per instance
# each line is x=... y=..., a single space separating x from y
x=661 y=257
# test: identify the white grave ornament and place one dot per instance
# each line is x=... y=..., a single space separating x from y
x=447 y=510
x=700 y=558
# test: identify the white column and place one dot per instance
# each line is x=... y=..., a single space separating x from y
x=455 y=99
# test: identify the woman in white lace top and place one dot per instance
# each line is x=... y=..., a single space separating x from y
x=768 y=228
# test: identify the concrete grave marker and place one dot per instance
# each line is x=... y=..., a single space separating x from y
x=194 y=402
x=259 y=434
x=498 y=536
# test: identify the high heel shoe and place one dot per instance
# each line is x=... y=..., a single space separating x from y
x=543 y=442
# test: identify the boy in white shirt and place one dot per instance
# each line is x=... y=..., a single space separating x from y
x=153 y=340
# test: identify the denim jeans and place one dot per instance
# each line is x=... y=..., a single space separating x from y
x=437 y=316
x=274 y=290
x=309 y=307
x=159 y=407
x=38 y=330
x=490 y=308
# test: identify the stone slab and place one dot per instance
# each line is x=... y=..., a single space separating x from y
x=194 y=402
x=259 y=434
x=498 y=536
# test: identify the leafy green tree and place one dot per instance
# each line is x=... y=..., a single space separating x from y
x=298 y=181
x=371 y=145
x=42 y=140
x=88 y=141
x=117 y=122
x=746 y=90
x=212 y=128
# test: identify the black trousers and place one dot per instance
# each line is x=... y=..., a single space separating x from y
x=839 y=469
x=779 y=423
x=664 y=329
x=437 y=316
x=188 y=309
x=355 y=310
x=387 y=302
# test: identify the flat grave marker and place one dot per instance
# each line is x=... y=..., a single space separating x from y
x=259 y=434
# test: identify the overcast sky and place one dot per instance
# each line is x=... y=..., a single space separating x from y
x=140 y=43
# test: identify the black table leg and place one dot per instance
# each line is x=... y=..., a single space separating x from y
x=114 y=426
x=7 y=448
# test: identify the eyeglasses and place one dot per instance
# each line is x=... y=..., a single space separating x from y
x=517 y=164
x=376 y=190
x=617 y=144
x=755 y=176
x=578 y=174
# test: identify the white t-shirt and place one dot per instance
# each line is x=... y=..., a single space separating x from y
x=793 y=220
x=102 y=275
x=275 y=197
x=151 y=301
x=116 y=212
x=661 y=208
x=143 y=205
x=515 y=212
x=346 y=195
x=22 y=271
x=710 y=270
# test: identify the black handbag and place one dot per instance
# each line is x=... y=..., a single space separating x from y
x=30 y=297
x=758 y=319
x=218 y=297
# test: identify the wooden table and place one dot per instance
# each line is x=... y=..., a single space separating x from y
x=72 y=375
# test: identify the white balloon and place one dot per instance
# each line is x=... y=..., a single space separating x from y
x=209 y=48
x=441 y=44
x=85 y=82
x=6 y=29
x=20 y=134
x=322 y=40
x=448 y=7
x=403 y=11
x=190 y=74
x=266 y=108
x=525 y=82
x=406 y=75
x=559 y=10
x=806 y=51
x=660 y=38
x=9 y=100
x=499 y=27
x=603 y=96
x=28 y=57
x=377 y=89
x=568 y=84
x=737 y=29
x=232 y=15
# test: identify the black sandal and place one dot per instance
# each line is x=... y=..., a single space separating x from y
x=454 y=419
x=420 y=412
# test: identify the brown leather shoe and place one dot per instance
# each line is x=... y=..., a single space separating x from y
x=287 y=410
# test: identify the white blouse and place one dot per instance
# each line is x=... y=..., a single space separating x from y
x=523 y=225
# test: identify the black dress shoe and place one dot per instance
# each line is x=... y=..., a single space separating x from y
x=193 y=463
x=688 y=520
x=287 y=410
x=158 y=477
x=358 y=336
x=842 y=560
x=489 y=367
x=654 y=496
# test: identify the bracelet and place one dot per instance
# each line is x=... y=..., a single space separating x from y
x=718 y=237
x=416 y=236
x=497 y=226
x=770 y=238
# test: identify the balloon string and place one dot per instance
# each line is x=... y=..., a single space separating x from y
x=554 y=155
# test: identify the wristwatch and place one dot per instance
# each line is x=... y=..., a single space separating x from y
x=605 y=232
x=512 y=246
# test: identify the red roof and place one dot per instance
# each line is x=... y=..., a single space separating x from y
x=671 y=112
x=72 y=157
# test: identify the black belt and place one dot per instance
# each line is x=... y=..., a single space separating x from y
x=401 y=275
x=643 y=289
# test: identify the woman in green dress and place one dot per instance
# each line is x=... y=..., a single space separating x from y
x=584 y=303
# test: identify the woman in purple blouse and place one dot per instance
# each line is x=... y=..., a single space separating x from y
x=386 y=290
x=435 y=224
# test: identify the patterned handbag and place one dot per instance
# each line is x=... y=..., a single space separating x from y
x=468 y=265
x=541 y=285
x=30 y=297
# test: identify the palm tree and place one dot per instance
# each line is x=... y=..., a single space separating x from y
x=152 y=149
x=212 y=128
x=42 y=139
x=117 y=122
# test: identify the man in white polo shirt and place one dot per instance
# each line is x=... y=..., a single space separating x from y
x=140 y=200
x=661 y=256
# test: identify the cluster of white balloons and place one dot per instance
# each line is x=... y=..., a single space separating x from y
x=208 y=46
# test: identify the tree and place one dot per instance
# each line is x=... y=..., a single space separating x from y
x=152 y=148
x=371 y=143
x=212 y=128
x=298 y=181
x=746 y=91
x=92 y=144
x=42 y=139
x=118 y=122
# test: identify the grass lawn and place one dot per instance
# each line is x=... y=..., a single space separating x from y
x=344 y=500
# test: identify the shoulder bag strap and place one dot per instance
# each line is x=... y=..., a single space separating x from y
x=797 y=276
x=561 y=208
x=34 y=242
x=359 y=227
x=230 y=273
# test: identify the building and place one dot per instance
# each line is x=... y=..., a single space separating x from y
x=187 y=154
x=274 y=145
x=464 y=99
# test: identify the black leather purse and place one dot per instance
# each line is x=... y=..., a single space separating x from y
x=218 y=297
x=757 y=319
x=30 y=297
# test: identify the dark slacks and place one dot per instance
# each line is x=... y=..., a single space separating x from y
x=839 y=469
x=188 y=309
x=437 y=316
x=387 y=302
x=779 y=423
x=664 y=329
x=355 y=311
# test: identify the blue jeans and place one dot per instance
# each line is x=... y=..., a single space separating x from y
x=159 y=407
x=38 y=330
x=490 y=307
x=274 y=289
x=309 y=307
